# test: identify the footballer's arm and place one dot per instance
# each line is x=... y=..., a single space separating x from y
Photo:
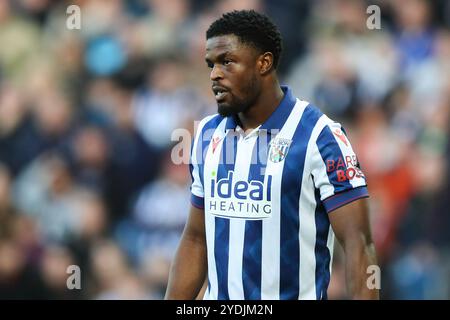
x=189 y=267
x=351 y=226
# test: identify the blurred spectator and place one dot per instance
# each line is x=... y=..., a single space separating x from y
x=46 y=191
x=417 y=275
x=17 y=279
x=133 y=161
x=166 y=104
x=415 y=36
x=90 y=157
x=154 y=270
x=158 y=216
x=26 y=135
x=161 y=31
x=22 y=37
x=113 y=276
x=7 y=210
x=54 y=265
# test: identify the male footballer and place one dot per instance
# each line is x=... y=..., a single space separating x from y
x=274 y=180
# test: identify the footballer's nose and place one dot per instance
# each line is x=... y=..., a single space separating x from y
x=216 y=73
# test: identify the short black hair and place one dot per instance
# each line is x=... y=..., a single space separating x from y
x=251 y=28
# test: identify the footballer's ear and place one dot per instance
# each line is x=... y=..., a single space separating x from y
x=265 y=63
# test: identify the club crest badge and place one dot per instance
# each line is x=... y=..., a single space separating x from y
x=278 y=150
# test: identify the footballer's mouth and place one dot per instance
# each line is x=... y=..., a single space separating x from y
x=220 y=92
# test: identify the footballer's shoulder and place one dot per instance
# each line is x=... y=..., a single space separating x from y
x=210 y=121
x=210 y=117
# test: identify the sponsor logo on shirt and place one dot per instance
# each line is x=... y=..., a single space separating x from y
x=347 y=169
x=239 y=198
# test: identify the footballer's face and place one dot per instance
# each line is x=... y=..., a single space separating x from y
x=236 y=84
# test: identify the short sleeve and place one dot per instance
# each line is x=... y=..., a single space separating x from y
x=335 y=168
x=196 y=160
x=197 y=193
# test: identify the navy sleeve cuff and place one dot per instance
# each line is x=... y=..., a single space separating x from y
x=345 y=197
x=197 y=202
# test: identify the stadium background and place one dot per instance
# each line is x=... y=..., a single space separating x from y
x=86 y=118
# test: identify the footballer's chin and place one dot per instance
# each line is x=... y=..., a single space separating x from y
x=227 y=109
x=224 y=109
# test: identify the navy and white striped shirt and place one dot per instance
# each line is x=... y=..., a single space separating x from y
x=266 y=197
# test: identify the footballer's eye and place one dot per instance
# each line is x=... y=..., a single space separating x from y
x=227 y=62
x=210 y=65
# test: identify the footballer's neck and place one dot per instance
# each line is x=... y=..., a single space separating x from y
x=269 y=99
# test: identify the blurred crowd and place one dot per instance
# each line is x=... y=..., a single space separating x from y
x=86 y=122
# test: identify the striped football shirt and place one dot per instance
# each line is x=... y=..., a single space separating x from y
x=266 y=197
